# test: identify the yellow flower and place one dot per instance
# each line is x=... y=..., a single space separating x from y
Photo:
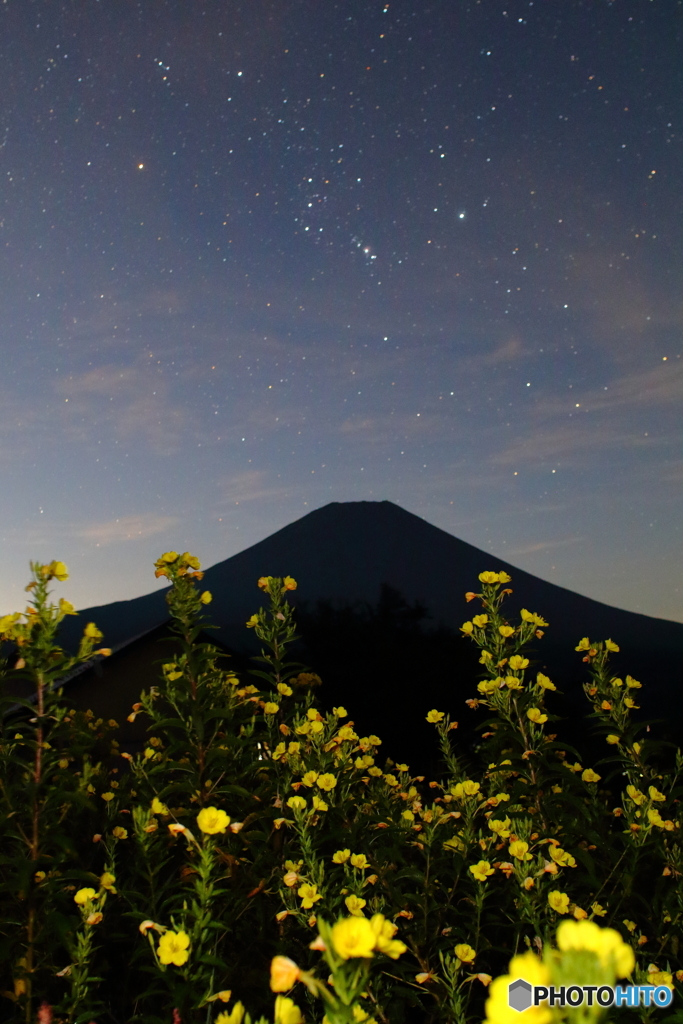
x=107 y=797
x=384 y=937
x=59 y=571
x=359 y=860
x=519 y=849
x=465 y=953
x=559 y=901
x=263 y=582
x=583 y=645
x=283 y=974
x=319 y=804
x=92 y=632
x=505 y=630
x=534 y=972
x=211 y=820
x=517 y=662
x=158 y=807
x=635 y=795
x=355 y=904
x=173 y=948
x=297 y=803
x=284 y=689
x=391 y=780
x=235 y=1016
x=341 y=856
x=271 y=708
x=66 y=607
x=612 y=738
x=489 y=577
x=654 y=817
x=353 y=937
x=434 y=716
x=598 y=910
x=561 y=857
x=480 y=620
x=536 y=715
x=481 y=870
x=120 y=832
x=544 y=682
x=309 y=895
x=107 y=881
x=326 y=782
x=467 y=628
x=659 y=977
x=611 y=646
x=253 y=621
x=655 y=794
x=513 y=683
x=206 y=597
x=340 y=712
x=309 y=778
x=590 y=776
x=606 y=943
x=287 y=1012
x=83 y=895
x=289 y=583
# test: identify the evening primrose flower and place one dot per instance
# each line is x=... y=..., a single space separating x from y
x=519 y=850
x=480 y=620
x=353 y=937
x=107 y=881
x=517 y=663
x=284 y=973
x=309 y=895
x=606 y=943
x=271 y=708
x=489 y=577
x=173 y=948
x=355 y=904
x=537 y=716
x=236 y=1015
x=92 y=632
x=326 y=782
x=359 y=860
x=434 y=716
x=66 y=607
x=297 y=803
x=309 y=779
x=341 y=856
x=590 y=776
x=319 y=804
x=58 y=571
x=561 y=857
x=635 y=795
x=84 y=895
x=612 y=739
x=559 y=901
x=120 y=832
x=384 y=937
x=534 y=972
x=158 y=807
x=506 y=631
x=211 y=820
x=340 y=712
x=287 y=1012
x=481 y=870
x=655 y=794
x=544 y=682
x=284 y=689
x=206 y=597
x=465 y=953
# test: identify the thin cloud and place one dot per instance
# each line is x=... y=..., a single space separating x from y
x=125 y=528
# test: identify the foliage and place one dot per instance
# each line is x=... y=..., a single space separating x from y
x=151 y=887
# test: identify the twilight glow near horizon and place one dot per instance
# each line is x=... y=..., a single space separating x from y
x=260 y=255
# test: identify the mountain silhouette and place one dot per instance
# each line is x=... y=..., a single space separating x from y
x=374 y=574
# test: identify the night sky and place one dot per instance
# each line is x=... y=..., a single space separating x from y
x=260 y=255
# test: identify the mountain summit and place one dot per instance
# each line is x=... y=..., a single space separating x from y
x=345 y=553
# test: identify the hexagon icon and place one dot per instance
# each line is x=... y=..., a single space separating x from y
x=519 y=995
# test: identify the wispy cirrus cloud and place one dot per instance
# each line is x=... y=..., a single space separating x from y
x=133 y=527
